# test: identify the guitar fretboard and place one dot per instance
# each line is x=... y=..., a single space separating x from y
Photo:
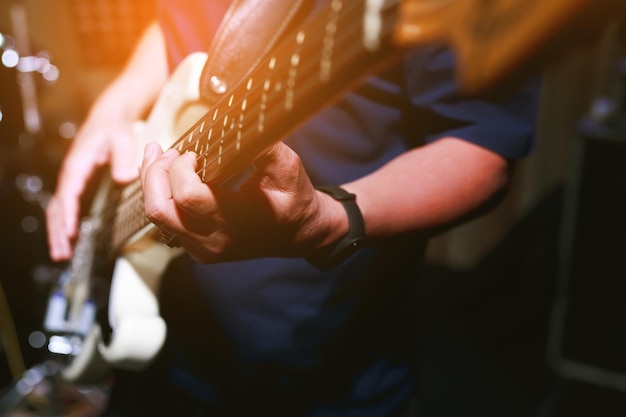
x=326 y=56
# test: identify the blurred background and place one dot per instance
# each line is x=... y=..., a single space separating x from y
x=524 y=310
x=55 y=57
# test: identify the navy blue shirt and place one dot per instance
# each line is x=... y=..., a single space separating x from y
x=281 y=333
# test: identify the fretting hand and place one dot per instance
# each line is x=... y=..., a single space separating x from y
x=275 y=212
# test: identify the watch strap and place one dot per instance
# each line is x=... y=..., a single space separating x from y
x=332 y=256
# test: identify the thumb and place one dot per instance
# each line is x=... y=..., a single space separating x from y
x=126 y=156
x=279 y=167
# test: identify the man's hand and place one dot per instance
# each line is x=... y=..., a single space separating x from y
x=275 y=212
x=106 y=137
x=95 y=145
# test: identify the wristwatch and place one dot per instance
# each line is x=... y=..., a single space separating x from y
x=332 y=256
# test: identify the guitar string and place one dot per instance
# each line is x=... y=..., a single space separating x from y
x=140 y=216
x=317 y=36
x=307 y=86
x=283 y=66
x=249 y=97
x=226 y=136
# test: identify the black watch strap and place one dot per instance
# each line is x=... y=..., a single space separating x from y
x=328 y=258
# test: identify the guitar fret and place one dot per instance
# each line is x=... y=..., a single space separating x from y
x=291 y=80
x=328 y=43
x=293 y=71
x=263 y=105
x=221 y=147
x=372 y=24
x=204 y=149
x=288 y=79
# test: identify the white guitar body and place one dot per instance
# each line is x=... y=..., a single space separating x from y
x=138 y=330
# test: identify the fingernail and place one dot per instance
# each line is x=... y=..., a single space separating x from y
x=170 y=152
x=149 y=150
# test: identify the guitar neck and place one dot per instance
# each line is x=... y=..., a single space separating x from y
x=328 y=55
x=331 y=53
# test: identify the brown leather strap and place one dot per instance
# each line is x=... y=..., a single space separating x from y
x=249 y=30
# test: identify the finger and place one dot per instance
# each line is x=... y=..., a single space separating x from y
x=188 y=191
x=279 y=167
x=158 y=202
x=59 y=246
x=75 y=173
x=124 y=157
x=151 y=153
x=63 y=210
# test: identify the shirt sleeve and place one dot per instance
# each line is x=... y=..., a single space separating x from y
x=502 y=123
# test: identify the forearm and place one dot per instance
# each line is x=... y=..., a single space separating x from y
x=430 y=189
x=277 y=211
x=134 y=90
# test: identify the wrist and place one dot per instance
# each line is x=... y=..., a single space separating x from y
x=344 y=236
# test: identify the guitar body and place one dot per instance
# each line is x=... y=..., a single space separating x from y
x=137 y=331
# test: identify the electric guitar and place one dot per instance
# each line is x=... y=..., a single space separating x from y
x=309 y=68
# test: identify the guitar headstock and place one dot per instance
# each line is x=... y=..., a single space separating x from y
x=490 y=37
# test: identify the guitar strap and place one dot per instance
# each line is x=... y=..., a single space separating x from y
x=249 y=30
